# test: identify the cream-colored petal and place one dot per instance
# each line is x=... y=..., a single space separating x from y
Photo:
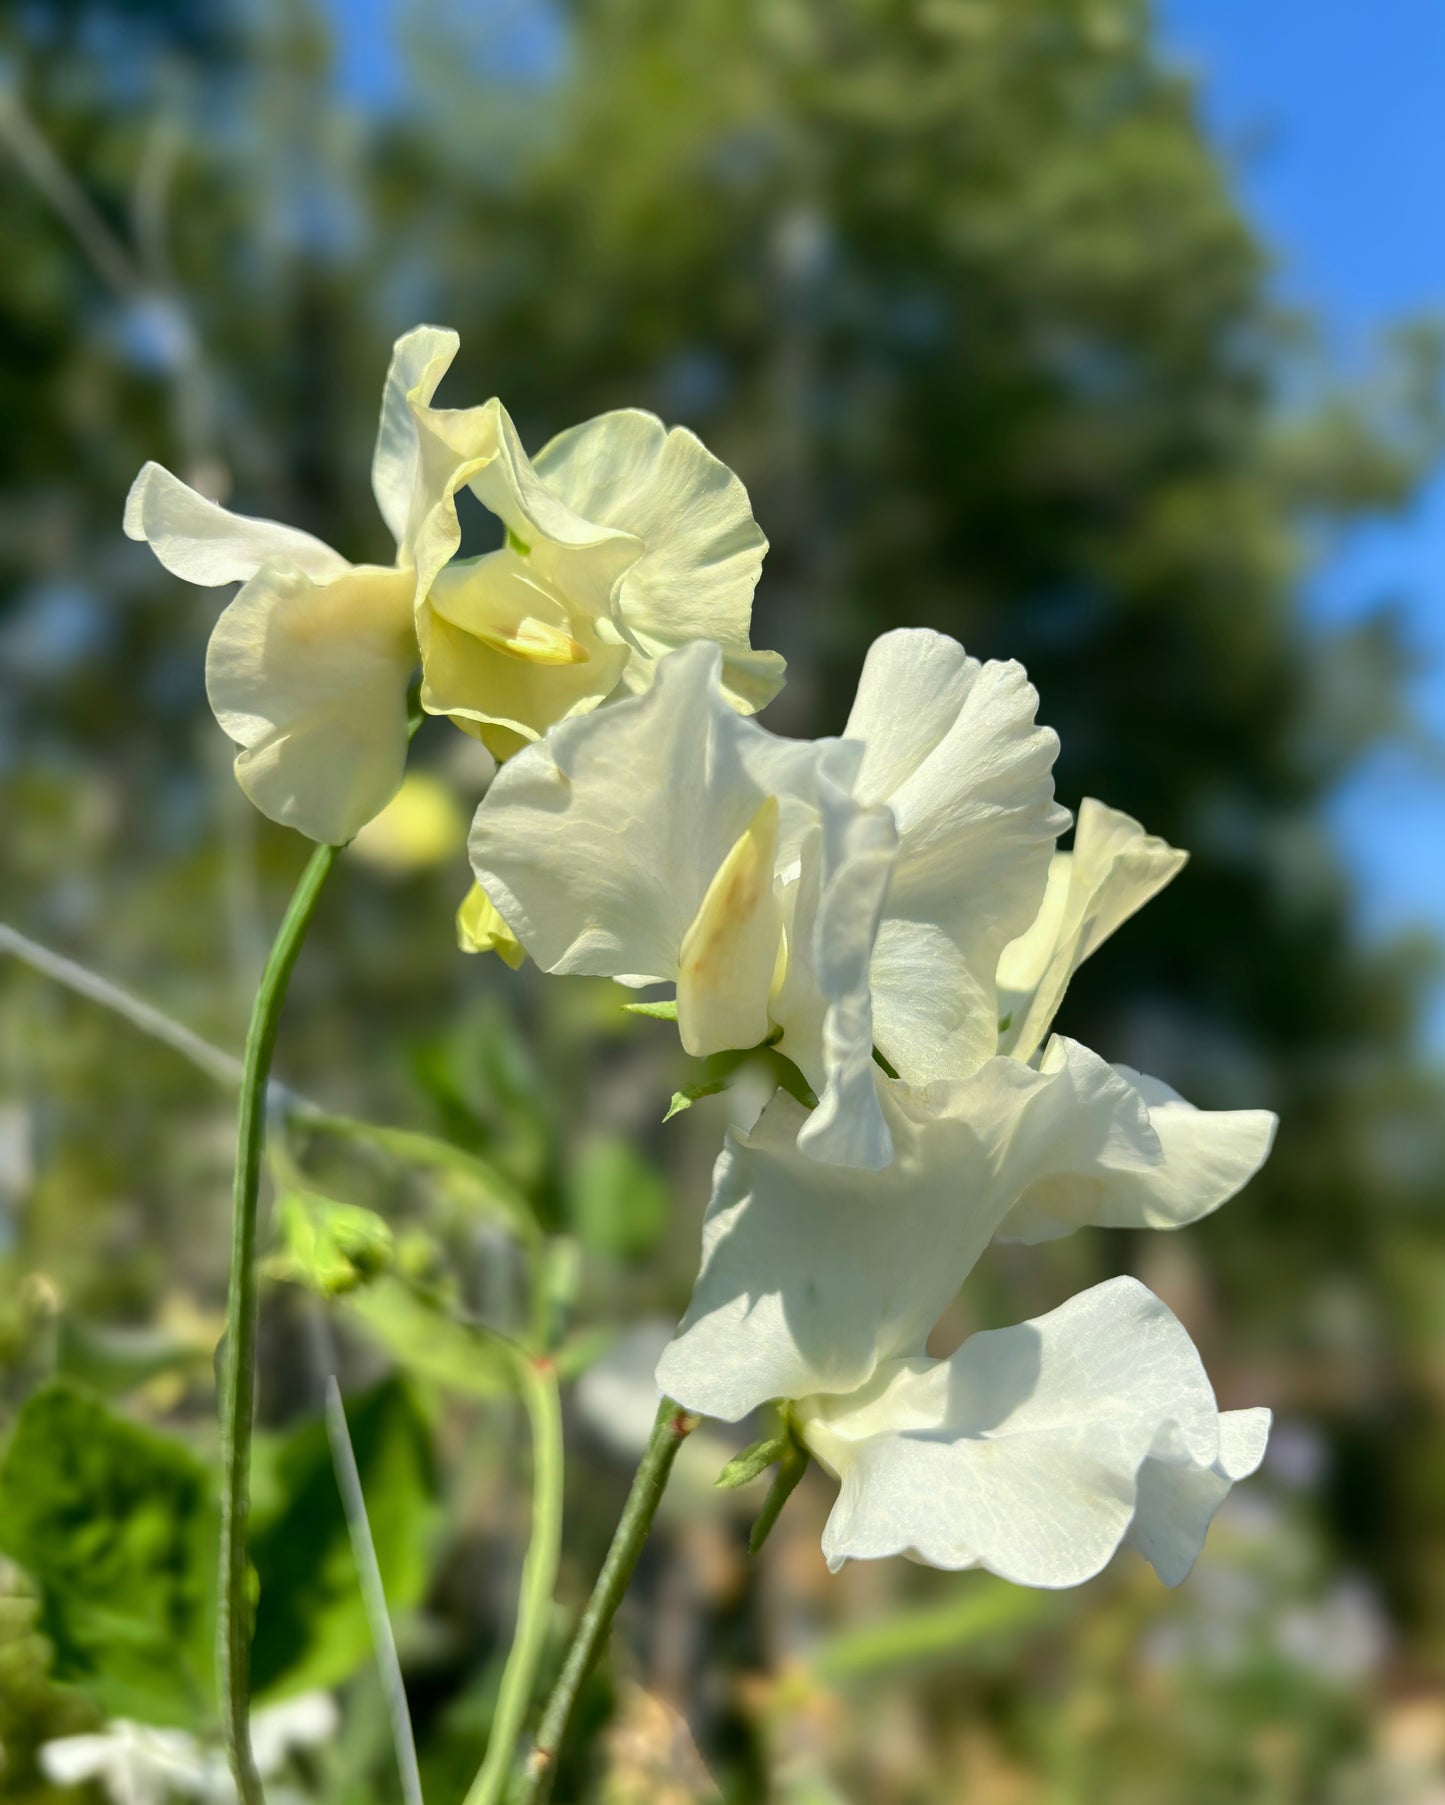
x=480 y=929
x=1114 y=869
x=1205 y=1157
x=824 y=1004
x=310 y=680
x=419 y=360
x=952 y=747
x=812 y=1275
x=584 y=558
x=730 y=950
x=599 y=845
x=1035 y=1451
x=500 y=647
x=201 y=542
x=703 y=549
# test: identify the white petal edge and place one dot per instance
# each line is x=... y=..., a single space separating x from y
x=1114 y=869
x=703 y=548
x=202 y=542
x=1206 y=1157
x=1036 y=1451
x=419 y=360
x=952 y=746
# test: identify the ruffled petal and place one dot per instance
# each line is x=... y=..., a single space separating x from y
x=1035 y=1451
x=1204 y=1157
x=1113 y=870
x=202 y=542
x=812 y=1275
x=703 y=549
x=599 y=845
x=500 y=649
x=953 y=748
x=310 y=680
x=419 y=360
x=824 y=1004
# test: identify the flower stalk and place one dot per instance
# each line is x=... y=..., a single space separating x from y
x=238 y=1380
x=537 y=1381
x=670 y=1430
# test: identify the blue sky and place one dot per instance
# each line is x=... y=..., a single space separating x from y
x=1330 y=113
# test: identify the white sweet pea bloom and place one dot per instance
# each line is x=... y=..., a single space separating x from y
x=133 y=1764
x=137 y=1764
x=624 y=541
x=1037 y=1451
x=307 y=668
x=670 y=839
x=1034 y=1451
x=927 y=831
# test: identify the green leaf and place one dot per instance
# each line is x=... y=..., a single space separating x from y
x=428 y=1342
x=752 y=1461
x=116 y=1527
x=618 y=1204
x=328 y=1246
x=310 y=1622
x=689 y=1094
x=661 y=1012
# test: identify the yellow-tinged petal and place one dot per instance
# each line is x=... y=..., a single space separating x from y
x=502 y=649
x=1114 y=869
x=502 y=601
x=729 y=954
x=310 y=678
x=480 y=929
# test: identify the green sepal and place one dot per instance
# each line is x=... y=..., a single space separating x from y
x=792 y=1465
x=690 y=1093
x=665 y=1011
x=752 y=1461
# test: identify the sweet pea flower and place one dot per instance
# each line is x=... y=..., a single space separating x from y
x=624 y=540
x=307 y=668
x=1033 y=1451
x=138 y=1764
x=789 y=889
x=670 y=839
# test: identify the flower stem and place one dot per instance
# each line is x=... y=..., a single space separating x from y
x=671 y=1429
x=238 y=1383
x=538 y=1382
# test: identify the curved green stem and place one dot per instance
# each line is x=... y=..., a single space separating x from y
x=238 y=1383
x=671 y=1429
x=538 y=1379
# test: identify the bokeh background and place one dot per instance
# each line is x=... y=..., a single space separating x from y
x=1098 y=335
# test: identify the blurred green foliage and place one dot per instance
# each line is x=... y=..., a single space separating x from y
x=116 y=1526
x=961 y=290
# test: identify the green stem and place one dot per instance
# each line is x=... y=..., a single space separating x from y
x=540 y=1394
x=238 y=1383
x=671 y=1429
